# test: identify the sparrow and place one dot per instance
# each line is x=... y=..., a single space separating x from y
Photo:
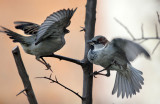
x=44 y=39
x=117 y=55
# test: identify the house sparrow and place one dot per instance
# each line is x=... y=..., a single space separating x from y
x=116 y=55
x=44 y=39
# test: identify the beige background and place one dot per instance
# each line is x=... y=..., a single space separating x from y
x=131 y=12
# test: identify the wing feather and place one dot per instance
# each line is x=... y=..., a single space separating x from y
x=54 y=23
x=29 y=28
x=131 y=49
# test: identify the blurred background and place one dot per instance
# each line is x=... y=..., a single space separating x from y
x=131 y=13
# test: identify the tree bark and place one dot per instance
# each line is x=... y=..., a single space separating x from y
x=90 y=20
x=24 y=76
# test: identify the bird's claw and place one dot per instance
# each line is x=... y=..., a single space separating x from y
x=108 y=74
x=94 y=74
x=48 y=67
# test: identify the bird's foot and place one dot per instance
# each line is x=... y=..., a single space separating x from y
x=108 y=74
x=48 y=67
x=98 y=73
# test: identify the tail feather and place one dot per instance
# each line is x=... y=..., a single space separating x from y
x=119 y=86
x=128 y=85
x=123 y=87
x=15 y=36
x=115 y=85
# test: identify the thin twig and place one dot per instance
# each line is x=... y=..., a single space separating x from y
x=57 y=82
x=142 y=31
x=66 y=59
x=147 y=38
x=143 y=39
x=158 y=17
x=21 y=91
x=155 y=47
x=125 y=27
x=156 y=30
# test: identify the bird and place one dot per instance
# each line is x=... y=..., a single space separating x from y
x=117 y=55
x=44 y=39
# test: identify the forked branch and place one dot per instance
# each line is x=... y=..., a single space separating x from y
x=57 y=82
x=143 y=38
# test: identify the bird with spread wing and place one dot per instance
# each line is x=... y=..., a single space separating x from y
x=44 y=39
x=117 y=55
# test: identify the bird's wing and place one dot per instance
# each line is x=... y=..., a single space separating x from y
x=28 y=27
x=130 y=49
x=54 y=23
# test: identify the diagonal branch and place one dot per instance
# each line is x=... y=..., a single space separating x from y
x=143 y=38
x=125 y=27
x=57 y=82
x=79 y=62
x=155 y=47
x=24 y=76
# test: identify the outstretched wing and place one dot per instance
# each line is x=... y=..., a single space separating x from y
x=130 y=49
x=28 y=27
x=54 y=23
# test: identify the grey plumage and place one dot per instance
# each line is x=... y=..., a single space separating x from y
x=60 y=20
x=44 y=39
x=120 y=51
x=28 y=27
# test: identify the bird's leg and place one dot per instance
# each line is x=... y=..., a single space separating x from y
x=107 y=68
x=108 y=72
x=45 y=63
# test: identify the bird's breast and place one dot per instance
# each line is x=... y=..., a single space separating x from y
x=48 y=46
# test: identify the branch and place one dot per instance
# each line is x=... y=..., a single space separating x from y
x=143 y=38
x=65 y=58
x=125 y=27
x=57 y=82
x=90 y=21
x=24 y=76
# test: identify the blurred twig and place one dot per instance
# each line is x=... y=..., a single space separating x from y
x=143 y=38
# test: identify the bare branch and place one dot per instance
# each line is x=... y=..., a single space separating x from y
x=66 y=59
x=125 y=28
x=147 y=38
x=158 y=17
x=143 y=39
x=24 y=76
x=57 y=82
x=90 y=21
x=142 y=31
x=155 y=47
x=156 y=30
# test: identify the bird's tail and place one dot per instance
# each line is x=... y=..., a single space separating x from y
x=12 y=35
x=128 y=83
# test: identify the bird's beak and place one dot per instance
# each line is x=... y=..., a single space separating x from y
x=90 y=42
x=66 y=31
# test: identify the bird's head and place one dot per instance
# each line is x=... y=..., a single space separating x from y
x=98 y=42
